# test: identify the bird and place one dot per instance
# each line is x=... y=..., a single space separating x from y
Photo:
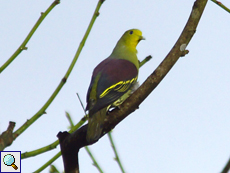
x=111 y=82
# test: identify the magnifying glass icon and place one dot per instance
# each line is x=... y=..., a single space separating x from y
x=9 y=160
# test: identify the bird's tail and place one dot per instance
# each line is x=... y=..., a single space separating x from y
x=95 y=125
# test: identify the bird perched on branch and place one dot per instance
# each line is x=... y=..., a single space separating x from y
x=112 y=79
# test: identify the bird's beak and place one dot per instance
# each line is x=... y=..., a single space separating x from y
x=141 y=38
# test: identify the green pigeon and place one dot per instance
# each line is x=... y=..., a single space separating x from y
x=112 y=81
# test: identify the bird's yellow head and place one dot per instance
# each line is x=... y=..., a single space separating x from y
x=131 y=38
x=126 y=46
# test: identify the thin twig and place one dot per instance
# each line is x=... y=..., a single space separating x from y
x=69 y=119
x=115 y=152
x=35 y=27
x=48 y=163
x=82 y=105
x=93 y=159
x=53 y=169
x=40 y=150
x=145 y=60
x=221 y=5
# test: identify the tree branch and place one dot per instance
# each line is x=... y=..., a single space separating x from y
x=6 y=138
x=71 y=143
x=226 y=167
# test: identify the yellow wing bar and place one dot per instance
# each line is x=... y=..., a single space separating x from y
x=124 y=85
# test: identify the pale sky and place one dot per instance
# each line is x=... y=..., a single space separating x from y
x=183 y=126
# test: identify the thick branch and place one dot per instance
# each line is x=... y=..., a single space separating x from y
x=70 y=146
x=226 y=167
x=71 y=143
x=6 y=138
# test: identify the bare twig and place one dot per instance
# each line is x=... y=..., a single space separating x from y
x=23 y=45
x=82 y=105
x=48 y=163
x=145 y=60
x=69 y=119
x=221 y=5
x=53 y=169
x=115 y=152
x=93 y=159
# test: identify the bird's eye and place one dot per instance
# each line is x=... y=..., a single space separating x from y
x=131 y=32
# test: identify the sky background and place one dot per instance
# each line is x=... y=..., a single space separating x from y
x=184 y=124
